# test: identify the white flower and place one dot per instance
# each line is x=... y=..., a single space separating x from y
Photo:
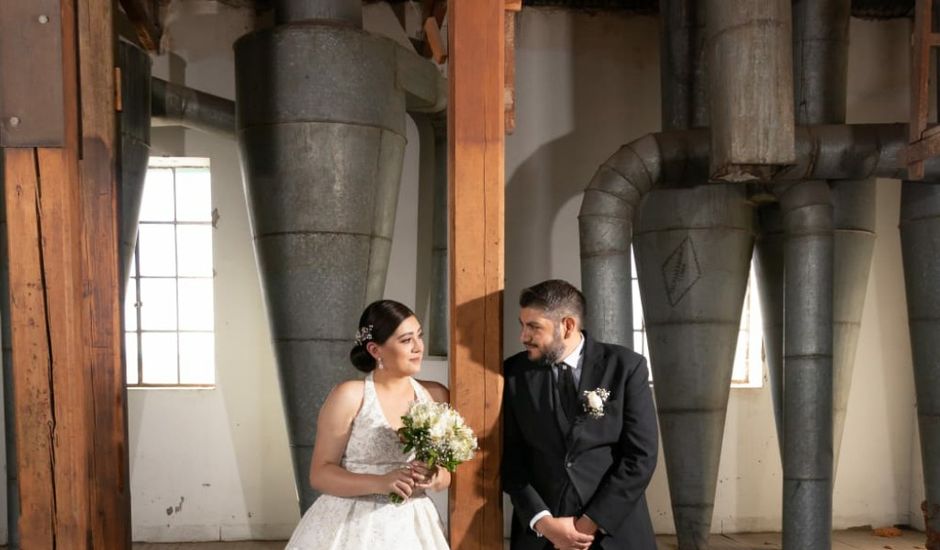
x=594 y=402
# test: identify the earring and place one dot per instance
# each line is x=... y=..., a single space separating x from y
x=381 y=366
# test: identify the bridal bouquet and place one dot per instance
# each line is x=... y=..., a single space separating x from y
x=438 y=435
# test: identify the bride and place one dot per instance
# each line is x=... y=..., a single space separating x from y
x=357 y=457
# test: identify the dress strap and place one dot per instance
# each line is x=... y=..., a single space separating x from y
x=420 y=391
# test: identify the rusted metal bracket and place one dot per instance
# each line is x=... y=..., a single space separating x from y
x=32 y=108
x=924 y=143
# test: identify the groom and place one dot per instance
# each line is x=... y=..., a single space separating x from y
x=580 y=435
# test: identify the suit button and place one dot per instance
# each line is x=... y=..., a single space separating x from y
x=569 y=464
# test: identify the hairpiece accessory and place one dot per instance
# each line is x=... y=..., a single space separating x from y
x=363 y=335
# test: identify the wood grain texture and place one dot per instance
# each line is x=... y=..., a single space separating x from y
x=476 y=180
x=65 y=315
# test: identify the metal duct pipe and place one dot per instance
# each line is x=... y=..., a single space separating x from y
x=750 y=87
x=806 y=209
x=920 y=241
x=693 y=252
x=820 y=60
x=682 y=65
x=176 y=105
x=134 y=155
x=322 y=166
x=9 y=411
x=347 y=12
x=850 y=152
x=439 y=340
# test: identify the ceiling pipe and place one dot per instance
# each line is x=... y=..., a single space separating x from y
x=176 y=105
x=347 y=12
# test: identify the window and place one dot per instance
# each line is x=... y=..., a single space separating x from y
x=168 y=308
x=748 y=369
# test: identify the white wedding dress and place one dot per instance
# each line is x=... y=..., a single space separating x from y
x=371 y=522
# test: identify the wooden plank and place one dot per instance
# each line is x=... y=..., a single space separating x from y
x=510 y=68
x=432 y=35
x=920 y=74
x=35 y=422
x=102 y=305
x=476 y=181
x=65 y=318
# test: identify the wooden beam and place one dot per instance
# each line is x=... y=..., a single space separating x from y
x=68 y=380
x=476 y=143
x=920 y=75
x=101 y=275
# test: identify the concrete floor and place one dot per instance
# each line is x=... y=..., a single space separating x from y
x=861 y=539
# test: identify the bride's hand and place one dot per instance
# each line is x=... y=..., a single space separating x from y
x=399 y=481
x=428 y=478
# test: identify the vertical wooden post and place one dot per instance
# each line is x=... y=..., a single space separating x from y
x=61 y=205
x=475 y=201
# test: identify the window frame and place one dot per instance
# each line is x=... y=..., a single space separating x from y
x=172 y=163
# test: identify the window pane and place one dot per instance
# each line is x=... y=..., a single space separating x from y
x=157 y=203
x=739 y=374
x=195 y=250
x=157 y=251
x=195 y=303
x=158 y=304
x=130 y=356
x=193 y=195
x=637 y=306
x=159 y=357
x=197 y=358
x=130 y=305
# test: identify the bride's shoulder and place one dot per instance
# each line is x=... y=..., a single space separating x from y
x=438 y=391
x=347 y=395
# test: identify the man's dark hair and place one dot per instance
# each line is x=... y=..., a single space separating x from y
x=555 y=297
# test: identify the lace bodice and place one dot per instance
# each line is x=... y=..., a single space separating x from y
x=373 y=446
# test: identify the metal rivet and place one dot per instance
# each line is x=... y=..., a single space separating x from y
x=14 y=121
x=43 y=19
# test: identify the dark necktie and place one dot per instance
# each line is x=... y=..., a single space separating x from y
x=567 y=391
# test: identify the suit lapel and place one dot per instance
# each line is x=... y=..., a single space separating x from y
x=592 y=374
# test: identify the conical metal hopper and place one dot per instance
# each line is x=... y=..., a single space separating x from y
x=321 y=125
x=693 y=253
x=135 y=144
x=854 y=213
x=920 y=248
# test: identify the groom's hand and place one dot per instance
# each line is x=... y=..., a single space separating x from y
x=586 y=525
x=563 y=534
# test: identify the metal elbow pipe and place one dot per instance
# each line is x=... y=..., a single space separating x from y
x=606 y=230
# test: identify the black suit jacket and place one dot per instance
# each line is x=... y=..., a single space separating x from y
x=594 y=466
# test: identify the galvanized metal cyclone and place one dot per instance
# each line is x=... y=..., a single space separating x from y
x=135 y=144
x=693 y=252
x=321 y=121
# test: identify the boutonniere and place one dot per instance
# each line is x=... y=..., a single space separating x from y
x=594 y=402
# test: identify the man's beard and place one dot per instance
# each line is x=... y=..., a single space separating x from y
x=552 y=354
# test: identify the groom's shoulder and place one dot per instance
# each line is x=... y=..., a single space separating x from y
x=517 y=363
x=619 y=353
